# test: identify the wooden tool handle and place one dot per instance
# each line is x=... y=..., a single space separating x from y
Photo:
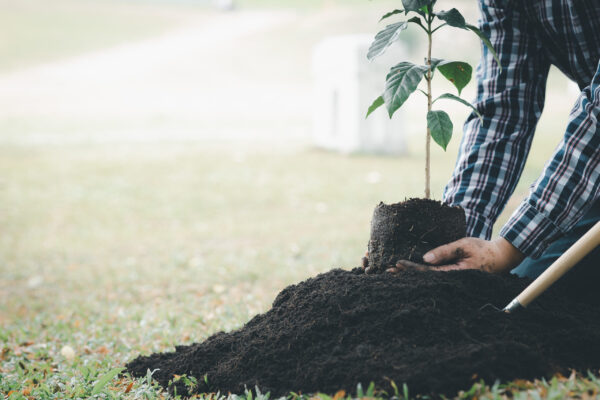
x=568 y=260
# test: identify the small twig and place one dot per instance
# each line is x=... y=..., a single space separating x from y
x=412 y=251
x=428 y=232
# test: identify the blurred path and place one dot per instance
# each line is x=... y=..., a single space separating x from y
x=200 y=81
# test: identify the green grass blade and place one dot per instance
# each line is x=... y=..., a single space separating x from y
x=102 y=382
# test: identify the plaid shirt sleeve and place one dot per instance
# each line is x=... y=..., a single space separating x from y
x=493 y=152
x=569 y=184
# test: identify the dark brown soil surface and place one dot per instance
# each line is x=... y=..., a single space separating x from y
x=408 y=230
x=425 y=329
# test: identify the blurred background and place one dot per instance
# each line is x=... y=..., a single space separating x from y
x=168 y=166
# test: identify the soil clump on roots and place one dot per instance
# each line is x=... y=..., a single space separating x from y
x=426 y=329
x=408 y=230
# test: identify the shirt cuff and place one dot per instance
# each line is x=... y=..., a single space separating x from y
x=530 y=231
x=478 y=225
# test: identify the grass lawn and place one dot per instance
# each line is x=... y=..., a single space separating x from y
x=110 y=252
x=35 y=31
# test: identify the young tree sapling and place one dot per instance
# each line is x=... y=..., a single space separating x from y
x=405 y=77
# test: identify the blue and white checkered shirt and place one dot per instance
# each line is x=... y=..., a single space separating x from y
x=529 y=36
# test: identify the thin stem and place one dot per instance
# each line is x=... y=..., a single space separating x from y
x=422 y=27
x=429 y=103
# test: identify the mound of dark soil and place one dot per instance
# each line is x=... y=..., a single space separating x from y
x=425 y=329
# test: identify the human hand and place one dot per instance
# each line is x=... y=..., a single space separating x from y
x=365 y=263
x=496 y=256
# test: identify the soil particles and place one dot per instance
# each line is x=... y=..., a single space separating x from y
x=408 y=230
x=423 y=328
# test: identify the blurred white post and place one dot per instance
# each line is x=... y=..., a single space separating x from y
x=346 y=84
x=224 y=5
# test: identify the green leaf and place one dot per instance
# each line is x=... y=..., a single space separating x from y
x=390 y=14
x=456 y=98
x=417 y=20
x=487 y=42
x=457 y=72
x=416 y=5
x=105 y=379
x=434 y=63
x=385 y=38
x=441 y=127
x=453 y=18
x=376 y=104
x=402 y=80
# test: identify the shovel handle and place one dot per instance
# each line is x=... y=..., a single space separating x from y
x=561 y=266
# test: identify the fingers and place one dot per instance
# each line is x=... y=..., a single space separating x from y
x=446 y=253
x=450 y=257
x=451 y=267
x=365 y=263
x=405 y=264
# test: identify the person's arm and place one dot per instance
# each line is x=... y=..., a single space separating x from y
x=567 y=188
x=569 y=185
x=493 y=151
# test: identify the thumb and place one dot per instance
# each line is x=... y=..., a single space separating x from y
x=444 y=254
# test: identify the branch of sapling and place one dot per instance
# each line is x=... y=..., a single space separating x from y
x=439 y=27
x=450 y=96
x=429 y=77
x=417 y=20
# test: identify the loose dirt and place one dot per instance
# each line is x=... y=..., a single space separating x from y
x=426 y=329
